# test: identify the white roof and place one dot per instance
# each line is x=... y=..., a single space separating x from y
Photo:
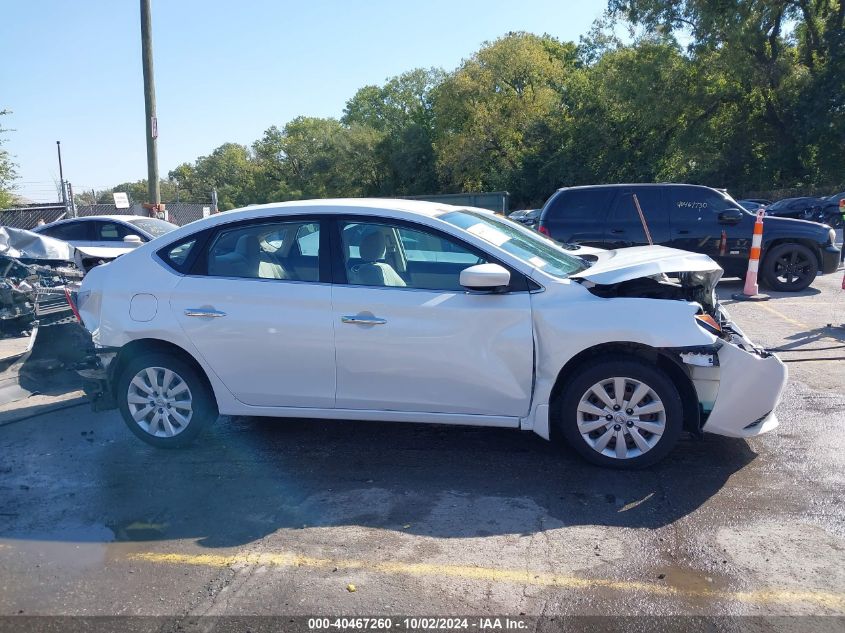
x=420 y=207
x=377 y=207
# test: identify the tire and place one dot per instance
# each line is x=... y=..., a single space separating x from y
x=656 y=391
x=191 y=409
x=789 y=267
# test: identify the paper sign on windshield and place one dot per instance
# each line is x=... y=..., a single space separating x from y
x=488 y=233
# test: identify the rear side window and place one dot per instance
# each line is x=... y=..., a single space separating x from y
x=624 y=215
x=581 y=204
x=272 y=250
x=69 y=231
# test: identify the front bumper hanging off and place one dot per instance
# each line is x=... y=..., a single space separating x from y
x=751 y=383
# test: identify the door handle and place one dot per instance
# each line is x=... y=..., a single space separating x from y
x=617 y=231
x=362 y=320
x=683 y=232
x=200 y=312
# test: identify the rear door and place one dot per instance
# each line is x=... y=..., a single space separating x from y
x=257 y=306
x=579 y=215
x=624 y=226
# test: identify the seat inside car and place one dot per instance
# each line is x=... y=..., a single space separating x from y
x=248 y=259
x=371 y=271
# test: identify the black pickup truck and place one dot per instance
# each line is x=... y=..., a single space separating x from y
x=693 y=218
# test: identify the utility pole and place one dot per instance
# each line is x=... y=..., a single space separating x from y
x=150 y=108
x=62 y=175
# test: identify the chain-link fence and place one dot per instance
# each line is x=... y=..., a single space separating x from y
x=27 y=217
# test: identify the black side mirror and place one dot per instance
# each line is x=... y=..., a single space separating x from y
x=730 y=216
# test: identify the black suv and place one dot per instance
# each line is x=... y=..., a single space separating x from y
x=692 y=218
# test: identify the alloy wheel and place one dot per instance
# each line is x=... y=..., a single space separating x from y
x=793 y=267
x=160 y=401
x=621 y=417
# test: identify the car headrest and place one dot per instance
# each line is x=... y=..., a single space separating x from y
x=373 y=246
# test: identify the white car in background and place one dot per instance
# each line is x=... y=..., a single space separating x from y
x=106 y=237
x=412 y=311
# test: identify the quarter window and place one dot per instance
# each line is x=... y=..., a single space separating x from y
x=267 y=251
x=178 y=254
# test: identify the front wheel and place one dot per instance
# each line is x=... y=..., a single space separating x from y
x=164 y=401
x=621 y=413
x=789 y=267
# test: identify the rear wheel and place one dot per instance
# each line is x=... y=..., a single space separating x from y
x=164 y=401
x=621 y=413
x=789 y=267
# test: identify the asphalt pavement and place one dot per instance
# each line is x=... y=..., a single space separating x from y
x=304 y=517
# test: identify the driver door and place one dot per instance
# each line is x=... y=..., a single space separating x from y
x=697 y=225
x=423 y=343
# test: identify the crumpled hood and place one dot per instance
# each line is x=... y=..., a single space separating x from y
x=613 y=267
x=23 y=244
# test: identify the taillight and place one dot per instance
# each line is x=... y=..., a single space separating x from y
x=72 y=305
x=544 y=231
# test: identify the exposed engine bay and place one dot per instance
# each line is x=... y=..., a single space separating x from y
x=697 y=286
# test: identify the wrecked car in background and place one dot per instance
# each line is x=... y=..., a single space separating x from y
x=37 y=276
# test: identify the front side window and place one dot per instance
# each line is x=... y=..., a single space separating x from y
x=385 y=254
x=112 y=232
x=524 y=244
x=270 y=250
x=695 y=201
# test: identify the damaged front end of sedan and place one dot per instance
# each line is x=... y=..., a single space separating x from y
x=738 y=384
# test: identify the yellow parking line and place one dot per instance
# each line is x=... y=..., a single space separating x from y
x=784 y=317
x=834 y=601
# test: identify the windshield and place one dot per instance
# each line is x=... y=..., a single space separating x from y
x=782 y=204
x=153 y=226
x=532 y=248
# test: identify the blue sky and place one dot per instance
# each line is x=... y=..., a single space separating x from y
x=225 y=71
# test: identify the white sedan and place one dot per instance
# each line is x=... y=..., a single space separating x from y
x=413 y=311
x=105 y=237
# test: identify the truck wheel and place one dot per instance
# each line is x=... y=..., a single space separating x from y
x=621 y=413
x=789 y=267
x=164 y=401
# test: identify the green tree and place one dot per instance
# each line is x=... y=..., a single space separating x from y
x=402 y=112
x=230 y=169
x=491 y=112
x=318 y=158
x=784 y=61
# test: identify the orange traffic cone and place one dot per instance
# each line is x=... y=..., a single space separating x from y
x=751 y=292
